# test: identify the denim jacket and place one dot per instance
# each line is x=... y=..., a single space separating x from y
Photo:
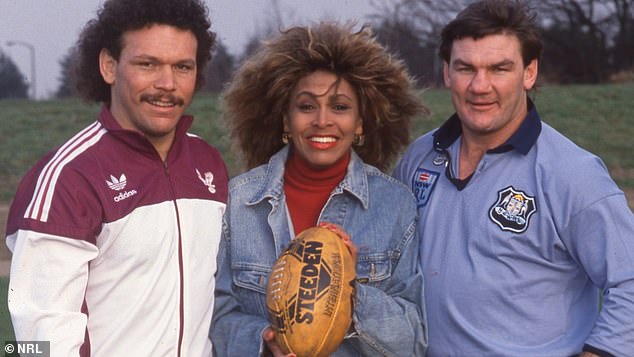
x=376 y=211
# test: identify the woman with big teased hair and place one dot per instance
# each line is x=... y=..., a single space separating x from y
x=317 y=113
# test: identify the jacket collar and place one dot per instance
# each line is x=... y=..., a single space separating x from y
x=522 y=140
x=355 y=182
x=137 y=140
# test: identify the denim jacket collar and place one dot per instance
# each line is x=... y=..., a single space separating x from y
x=355 y=182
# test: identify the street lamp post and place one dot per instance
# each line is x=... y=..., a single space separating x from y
x=31 y=49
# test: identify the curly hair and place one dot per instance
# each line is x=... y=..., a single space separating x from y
x=117 y=17
x=490 y=17
x=259 y=95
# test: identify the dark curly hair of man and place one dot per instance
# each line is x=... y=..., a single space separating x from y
x=117 y=17
x=259 y=95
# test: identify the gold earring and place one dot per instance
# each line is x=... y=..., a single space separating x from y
x=359 y=139
x=286 y=137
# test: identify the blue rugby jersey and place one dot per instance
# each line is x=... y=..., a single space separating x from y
x=513 y=261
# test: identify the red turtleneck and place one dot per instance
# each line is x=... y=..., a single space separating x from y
x=307 y=189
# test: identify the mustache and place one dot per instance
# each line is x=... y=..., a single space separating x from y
x=163 y=97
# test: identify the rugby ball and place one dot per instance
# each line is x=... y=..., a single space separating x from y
x=310 y=293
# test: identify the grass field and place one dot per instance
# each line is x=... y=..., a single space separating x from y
x=6 y=329
x=599 y=118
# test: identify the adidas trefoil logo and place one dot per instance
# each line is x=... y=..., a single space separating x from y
x=207 y=180
x=117 y=184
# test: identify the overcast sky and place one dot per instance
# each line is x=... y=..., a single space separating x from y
x=52 y=27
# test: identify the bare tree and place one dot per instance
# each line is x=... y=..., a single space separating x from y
x=584 y=40
x=402 y=40
x=274 y=24
x=624 y=39
x=426 y=17
x=412 y=29
x=66 y=86
x=220 y=69
x=587 y=40
x=575 y=41
x=12 y=82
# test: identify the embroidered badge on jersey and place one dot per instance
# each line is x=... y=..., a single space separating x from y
x=207 y=180
x=512 y=210
x=423 y=185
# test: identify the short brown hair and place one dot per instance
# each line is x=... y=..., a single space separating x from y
x=490 y=17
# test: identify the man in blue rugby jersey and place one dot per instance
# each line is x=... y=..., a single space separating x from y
x=522 y=232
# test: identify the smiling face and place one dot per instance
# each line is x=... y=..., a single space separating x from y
x=488 y=83
x=323 y=118
x=152 y=82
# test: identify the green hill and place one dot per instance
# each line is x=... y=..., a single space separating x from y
x=599 y=118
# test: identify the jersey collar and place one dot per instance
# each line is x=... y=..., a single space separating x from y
x=136 y=139
x=522 y=140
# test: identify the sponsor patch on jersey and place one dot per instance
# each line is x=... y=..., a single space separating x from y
x=423 y=185
x=512 y=210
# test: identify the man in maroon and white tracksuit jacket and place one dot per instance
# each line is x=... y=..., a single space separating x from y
x=115 y=234
x=115 y=248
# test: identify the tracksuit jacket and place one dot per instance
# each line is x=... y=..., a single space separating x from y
x=114 y=249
